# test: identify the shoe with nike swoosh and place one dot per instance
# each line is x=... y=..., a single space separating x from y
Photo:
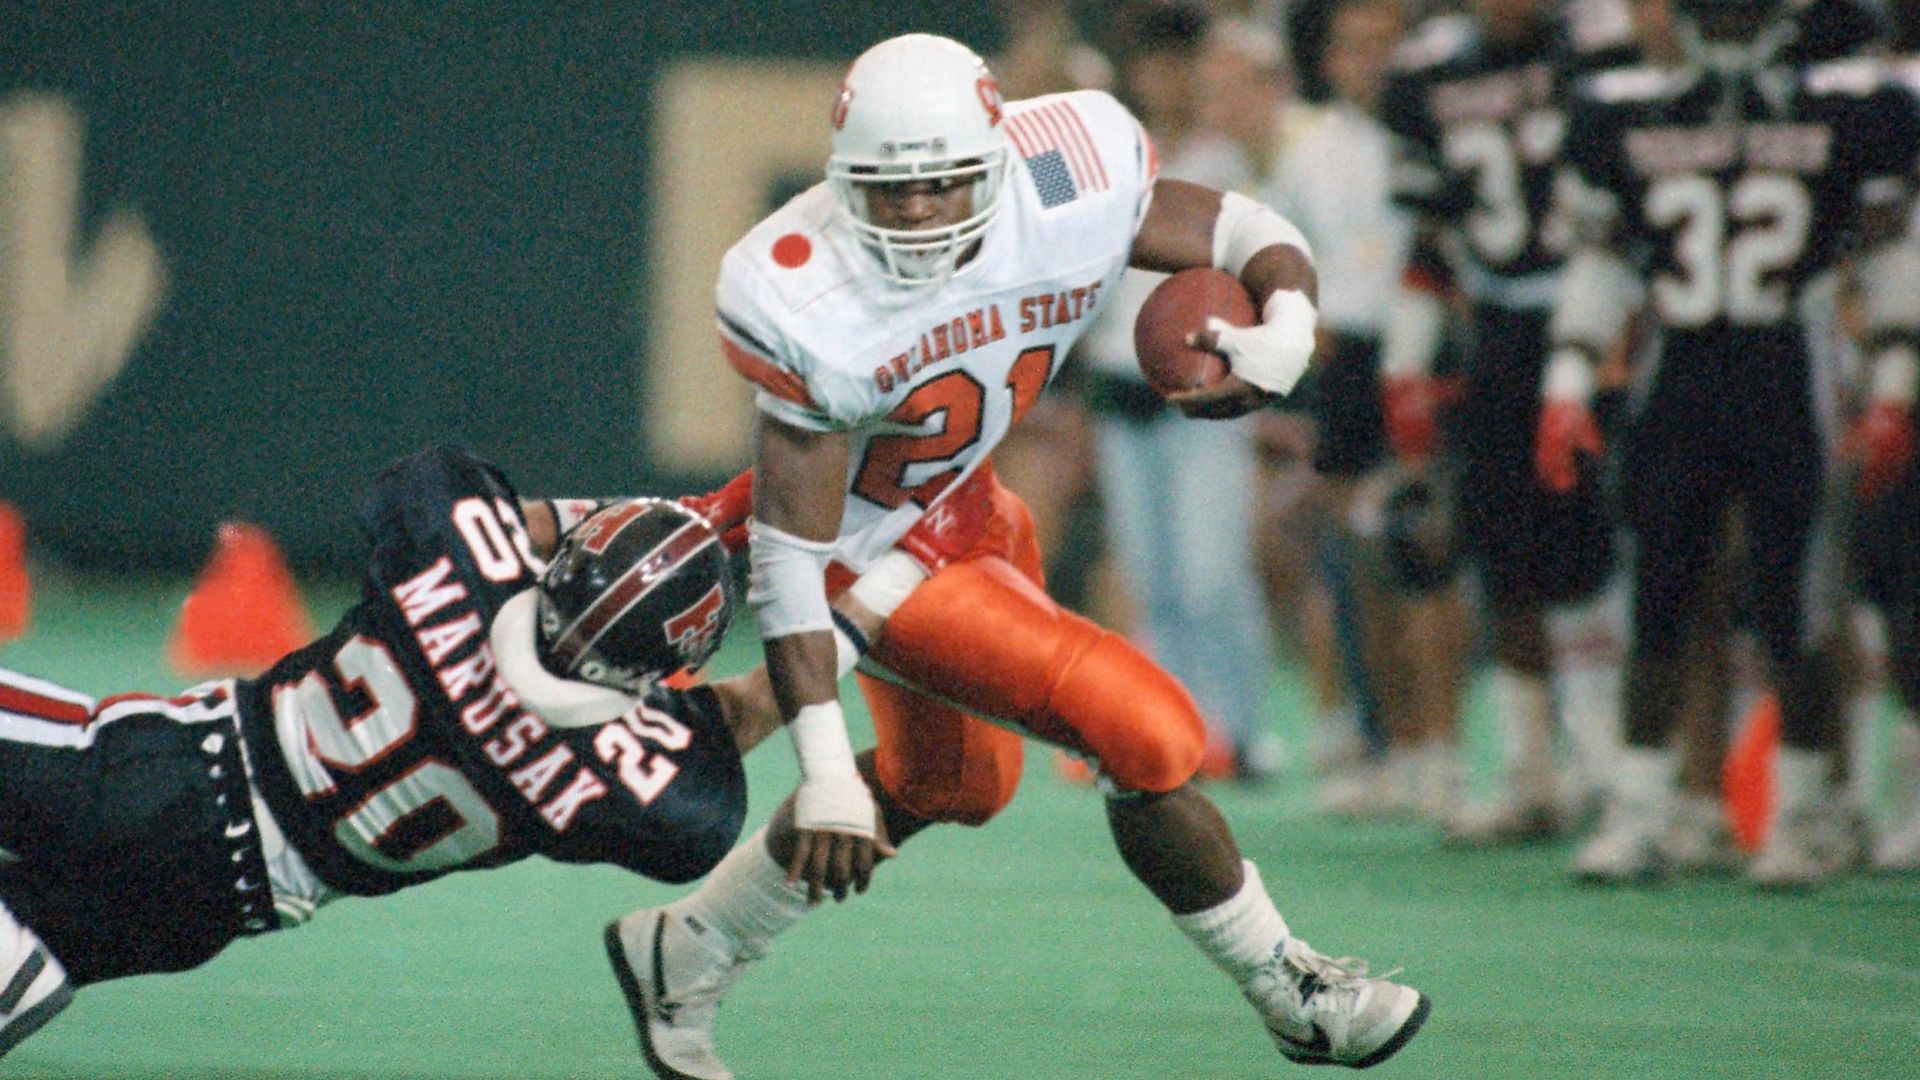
x=673 y=973
x=1322 y=1011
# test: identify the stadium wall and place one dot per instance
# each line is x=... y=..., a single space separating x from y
x=249 y=251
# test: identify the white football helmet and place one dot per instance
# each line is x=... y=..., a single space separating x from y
x=919 y=107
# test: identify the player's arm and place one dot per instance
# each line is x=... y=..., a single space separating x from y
x=747 y=700
x=1416 y=326
x=799 y=491
x=1888 y=271
x=1599 y=292
x=1189 y=225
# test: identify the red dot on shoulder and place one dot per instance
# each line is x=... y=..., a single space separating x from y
x=792 y=250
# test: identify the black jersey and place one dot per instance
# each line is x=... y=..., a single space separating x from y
x=392 y=752
x=1731 y=200
x=1478 y=130
x=1479 y=127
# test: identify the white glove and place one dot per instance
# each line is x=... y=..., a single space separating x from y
x=1274 y=354
x=831 y=795
x=839 y=804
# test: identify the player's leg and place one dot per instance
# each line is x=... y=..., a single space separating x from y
x=1677 y=505
x=42 y=722
x=1887 y=554
x=1796 y=566
x=1699 y=836
x=1897 y=845
x=675 y=963
x=1501 y=510
x=983 y=634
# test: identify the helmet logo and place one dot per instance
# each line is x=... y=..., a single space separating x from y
x=840 y=103
x=692 y=630
x=988 y=89
x=599 y=530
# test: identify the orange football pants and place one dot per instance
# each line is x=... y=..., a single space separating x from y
x=982 y=637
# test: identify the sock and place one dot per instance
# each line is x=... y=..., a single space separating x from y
x=1589 y=673
x=746 y=898
x=1439 y=781
x=1524 y=705
x=1644 y=782
x=1241 y=933
x=1800 y=779
x=1863 y=731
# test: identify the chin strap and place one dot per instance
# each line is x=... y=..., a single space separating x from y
x=562 y=703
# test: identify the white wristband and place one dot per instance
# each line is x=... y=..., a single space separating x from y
x=1896 y=375
x=786 y=582
x=1569 y=377
x=1416 y=325
x=1245 y=228
x=820 y=742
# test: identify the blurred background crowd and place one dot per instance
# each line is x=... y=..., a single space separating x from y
x=247 y=260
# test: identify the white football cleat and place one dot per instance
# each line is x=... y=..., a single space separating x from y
x=1699 y=839
x=33 y=984
x=1807 y=848
x=1498 y=823
x=1328 y=1012
x=1897 y=850
x=674 y=974
x=1625 y=850
x=1790 y=858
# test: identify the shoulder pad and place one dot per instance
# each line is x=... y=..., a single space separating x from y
x=1436 y=41
x=1619 y=85
x=1853 y=77
x=791 y=252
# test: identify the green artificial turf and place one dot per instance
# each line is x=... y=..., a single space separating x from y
x=1021 y=950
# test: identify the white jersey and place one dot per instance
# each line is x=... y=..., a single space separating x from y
x=926 y=380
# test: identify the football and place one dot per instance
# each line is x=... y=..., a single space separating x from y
x=1180 y=306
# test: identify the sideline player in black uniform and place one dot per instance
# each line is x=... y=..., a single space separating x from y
x=1731 y=188
x=1475 y=109
x=477 y=705
x=1887 y=555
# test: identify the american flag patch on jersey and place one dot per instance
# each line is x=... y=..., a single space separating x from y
x=1059 y=153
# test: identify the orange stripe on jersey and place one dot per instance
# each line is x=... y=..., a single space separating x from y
x=767 y=375
x=27 y=703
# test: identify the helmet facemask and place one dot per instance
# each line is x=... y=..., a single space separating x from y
x=928 y=255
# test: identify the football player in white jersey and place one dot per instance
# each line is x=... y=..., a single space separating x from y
x=897 y=319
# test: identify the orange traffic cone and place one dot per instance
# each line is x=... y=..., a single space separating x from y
x=14 y=593
x=1072 y=768
x=1746 y=777
x=244 y=612
x=1220 y=762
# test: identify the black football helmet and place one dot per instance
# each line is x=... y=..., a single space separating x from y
x=636 y=592
x=1734 y=35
